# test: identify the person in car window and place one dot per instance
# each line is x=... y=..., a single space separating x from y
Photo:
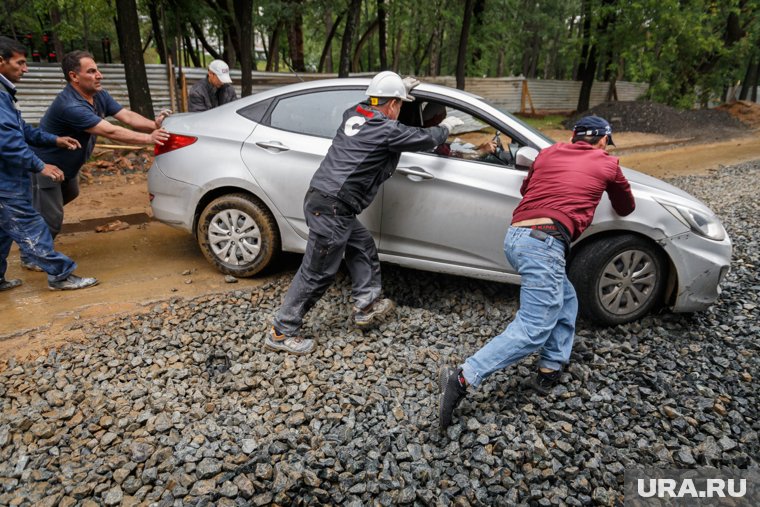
x=560 y=195
x=19 y=221
x=213 y=91
x=79 y=111
x=364 y=153
x=432 y=115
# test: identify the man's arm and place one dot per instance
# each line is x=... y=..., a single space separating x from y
x=138 y=121
x=122 y=135
x=620 y=194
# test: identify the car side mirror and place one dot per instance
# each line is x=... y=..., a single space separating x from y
x=525 y=156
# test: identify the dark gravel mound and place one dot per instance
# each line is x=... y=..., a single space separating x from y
x=654 y=118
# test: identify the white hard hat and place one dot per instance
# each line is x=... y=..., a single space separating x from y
x=389 y=85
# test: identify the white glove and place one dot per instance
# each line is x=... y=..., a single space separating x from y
x=450 y=122
x=409 y=83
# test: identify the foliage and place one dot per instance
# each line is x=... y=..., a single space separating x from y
x=685 y=50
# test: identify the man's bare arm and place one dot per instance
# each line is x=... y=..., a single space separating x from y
x=136 y=121
x=122 y=135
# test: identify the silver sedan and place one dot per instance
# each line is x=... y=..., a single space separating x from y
x=236 y=176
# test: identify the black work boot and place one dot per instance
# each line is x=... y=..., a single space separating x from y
x=543 y=383
x=452 y=392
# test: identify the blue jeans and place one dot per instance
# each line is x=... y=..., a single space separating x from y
x=548 y=307
x=20 y=222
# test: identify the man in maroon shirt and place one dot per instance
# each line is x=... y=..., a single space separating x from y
x=560 y=195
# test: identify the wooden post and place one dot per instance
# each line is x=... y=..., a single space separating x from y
x=526 y=95
x=170 y=77
x=183 y=82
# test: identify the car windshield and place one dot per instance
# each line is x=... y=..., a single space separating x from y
x=522 y=122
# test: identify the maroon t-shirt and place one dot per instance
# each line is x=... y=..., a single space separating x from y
x=566 y=183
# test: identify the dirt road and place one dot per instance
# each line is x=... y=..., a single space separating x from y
x=151 y=262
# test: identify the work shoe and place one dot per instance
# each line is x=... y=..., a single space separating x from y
x=31 y=267
x=297 y=345
x=72 y=282
x=375 y=312
x=543 y=383
x=9 y=284
x=452 y=392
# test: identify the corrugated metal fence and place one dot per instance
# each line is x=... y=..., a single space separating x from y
x=39 y=87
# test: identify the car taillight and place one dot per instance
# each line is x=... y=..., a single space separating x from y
x=174 y=142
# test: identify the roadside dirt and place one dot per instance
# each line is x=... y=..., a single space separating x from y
x=149 y=263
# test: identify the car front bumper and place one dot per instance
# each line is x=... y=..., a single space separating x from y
x=701 y=265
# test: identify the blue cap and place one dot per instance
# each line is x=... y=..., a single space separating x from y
x=593 y=126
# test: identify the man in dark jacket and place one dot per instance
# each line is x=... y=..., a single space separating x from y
x=19 y=221
x=364 y=153
x=560 y=195
x=213 y=91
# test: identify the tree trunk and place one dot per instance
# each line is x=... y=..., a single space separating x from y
x=363 y=40
x=462 y=52
x=189 y=49
x=352 y=22
x=132 y=57
x=325 y=61
x=434 y=64
x=397 y=50
x=587 y=65
x=295 y=38
x=244 y=26
x=198 y=31
x=158 y=34
x=382 y=36
x=274 y=49
x=749 y=77
x=55 y=18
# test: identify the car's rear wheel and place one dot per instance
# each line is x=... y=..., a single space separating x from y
x=238 y=235
x=618 y=279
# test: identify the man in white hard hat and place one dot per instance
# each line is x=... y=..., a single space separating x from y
x=364 y=153
x=213 y=91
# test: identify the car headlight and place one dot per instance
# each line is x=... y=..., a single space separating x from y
x=700 y=222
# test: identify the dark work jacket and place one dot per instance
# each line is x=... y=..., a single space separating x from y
x=17 y=160
x=566 y=183
x=203 y=96
x=365 y=152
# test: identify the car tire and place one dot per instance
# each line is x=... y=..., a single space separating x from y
x=618 y=279
x=238 y=235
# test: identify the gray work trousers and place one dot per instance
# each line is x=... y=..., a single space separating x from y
x=49 y=197
x=334 y=231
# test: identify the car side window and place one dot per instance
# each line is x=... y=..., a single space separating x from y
x=255 y=112
x=315 y=114
x=474 y=140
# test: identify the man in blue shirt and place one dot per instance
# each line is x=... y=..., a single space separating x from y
x=19 y=221
x=79 y=111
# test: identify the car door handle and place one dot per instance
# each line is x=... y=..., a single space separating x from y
x=272 y=145
x=415 y=172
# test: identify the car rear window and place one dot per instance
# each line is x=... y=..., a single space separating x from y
x=316 y=113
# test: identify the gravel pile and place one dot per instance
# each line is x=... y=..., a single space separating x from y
x=655 y=118
x=181 y=406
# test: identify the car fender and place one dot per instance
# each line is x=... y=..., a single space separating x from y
x=228 y=185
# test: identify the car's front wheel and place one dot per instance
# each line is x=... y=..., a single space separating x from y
x=618 y=279
x=238 y=235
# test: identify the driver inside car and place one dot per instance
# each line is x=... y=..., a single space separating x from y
x=433 y=114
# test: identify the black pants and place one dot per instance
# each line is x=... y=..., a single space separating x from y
x=334 y=231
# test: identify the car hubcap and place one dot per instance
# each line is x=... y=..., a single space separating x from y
x=627 y=282
x=234 y=237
